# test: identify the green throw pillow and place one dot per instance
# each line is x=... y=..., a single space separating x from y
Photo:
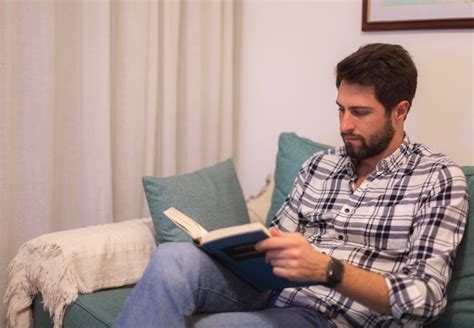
x=293 y=151
x=212 y=196
x=459 y=312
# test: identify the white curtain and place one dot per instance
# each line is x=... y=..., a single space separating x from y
x=96 y=94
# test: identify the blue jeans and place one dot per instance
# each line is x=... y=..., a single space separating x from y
x=183 y=287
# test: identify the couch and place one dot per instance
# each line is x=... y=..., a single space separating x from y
x=82 y=277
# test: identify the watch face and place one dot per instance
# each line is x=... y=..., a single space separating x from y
x=334 y=273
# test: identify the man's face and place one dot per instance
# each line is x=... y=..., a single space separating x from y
x=365 y=128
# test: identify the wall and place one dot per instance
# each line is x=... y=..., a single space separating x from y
x=288 y=53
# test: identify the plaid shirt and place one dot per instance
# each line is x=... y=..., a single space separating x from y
x=404 y=221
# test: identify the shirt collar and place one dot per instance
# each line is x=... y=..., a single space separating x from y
x=397 y=158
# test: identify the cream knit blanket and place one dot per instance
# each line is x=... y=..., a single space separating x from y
x=63 y=264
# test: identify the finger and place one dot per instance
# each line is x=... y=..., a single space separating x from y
x=271 y=243
x=280 y=254
x=286 y=273
x=283 y=263
x=274 y=232
x=280 y=272
x=274 y=255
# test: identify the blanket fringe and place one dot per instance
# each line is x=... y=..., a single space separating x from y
x=27 y=271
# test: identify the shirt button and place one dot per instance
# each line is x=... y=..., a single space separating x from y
x=340 y=237
x=347 y=210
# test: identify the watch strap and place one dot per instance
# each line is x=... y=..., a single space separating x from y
x=334 y=273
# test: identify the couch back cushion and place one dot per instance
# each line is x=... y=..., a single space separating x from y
x=212 y=196
x=292 y=152
x=460 y=309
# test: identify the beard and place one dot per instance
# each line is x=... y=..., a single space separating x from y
x=372 y=146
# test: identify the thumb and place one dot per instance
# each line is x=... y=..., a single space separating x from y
x=274 y=232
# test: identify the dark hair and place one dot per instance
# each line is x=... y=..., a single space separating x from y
x=387 y=67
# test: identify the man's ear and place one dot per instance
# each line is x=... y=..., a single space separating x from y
x=401 y=110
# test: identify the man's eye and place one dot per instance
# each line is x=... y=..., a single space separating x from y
x=340 y=110
x=359 y=113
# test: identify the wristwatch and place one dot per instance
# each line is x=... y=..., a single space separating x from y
x=334 y=273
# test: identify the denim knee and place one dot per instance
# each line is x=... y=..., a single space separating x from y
x=174 y=258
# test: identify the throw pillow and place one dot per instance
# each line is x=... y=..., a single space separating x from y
x=292 y=152
x=212 y=196
x=459 y=311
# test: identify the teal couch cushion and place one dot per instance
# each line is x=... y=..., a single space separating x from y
x=293 y=151
x=459 y=312
x=96 y=310
x=212 y=196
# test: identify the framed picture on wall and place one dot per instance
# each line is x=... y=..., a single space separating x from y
x=380 y=15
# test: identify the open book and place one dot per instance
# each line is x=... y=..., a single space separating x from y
x=234 y=247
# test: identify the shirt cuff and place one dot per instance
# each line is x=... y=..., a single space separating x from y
x=410 y=300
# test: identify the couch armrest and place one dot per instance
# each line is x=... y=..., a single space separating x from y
x=61 y=265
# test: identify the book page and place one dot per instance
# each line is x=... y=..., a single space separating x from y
x=187 y=224
x=234 y=231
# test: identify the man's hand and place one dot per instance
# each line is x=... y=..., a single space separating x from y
x=293 y=257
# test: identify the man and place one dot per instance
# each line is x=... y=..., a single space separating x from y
x=374 y=224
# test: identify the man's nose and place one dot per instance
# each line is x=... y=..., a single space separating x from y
x=346 y=123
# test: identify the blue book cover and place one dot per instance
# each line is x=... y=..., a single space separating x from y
x=238 y=254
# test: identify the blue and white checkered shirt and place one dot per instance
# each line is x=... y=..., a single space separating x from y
x=404 y=221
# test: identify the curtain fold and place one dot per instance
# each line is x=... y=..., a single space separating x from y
x=96 y=94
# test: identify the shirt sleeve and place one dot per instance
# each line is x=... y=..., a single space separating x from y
x=418 y=292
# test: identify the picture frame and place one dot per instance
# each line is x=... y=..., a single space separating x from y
x=384 y=15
